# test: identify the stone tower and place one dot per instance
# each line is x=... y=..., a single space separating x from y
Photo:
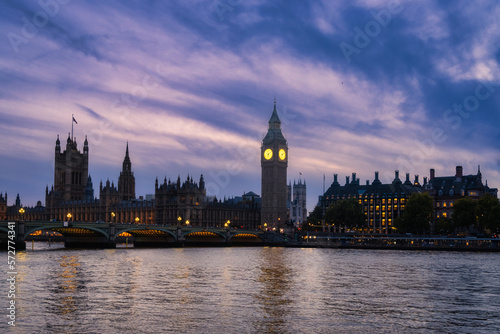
x=298 y=209
x=126 y=180
x=71 y=170
x=274 y=163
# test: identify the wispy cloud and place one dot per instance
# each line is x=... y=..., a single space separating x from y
x=192 y=93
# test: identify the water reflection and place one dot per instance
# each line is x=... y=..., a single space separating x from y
x=275 y=279
x=256 y=290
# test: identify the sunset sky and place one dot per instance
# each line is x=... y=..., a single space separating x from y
x=361 y=86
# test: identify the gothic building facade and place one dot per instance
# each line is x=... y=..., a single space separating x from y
x=72 y=198
x=274 y=163
x=297 y=202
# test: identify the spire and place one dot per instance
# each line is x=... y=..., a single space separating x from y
x=126 y=151
x=86 y=146
x=274 y=121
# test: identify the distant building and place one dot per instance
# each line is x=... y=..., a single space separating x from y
x=297 y=203
x=447 y=189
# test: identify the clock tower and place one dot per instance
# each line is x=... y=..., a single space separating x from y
x=274 y=162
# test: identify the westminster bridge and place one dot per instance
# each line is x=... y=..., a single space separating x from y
x=103 y=235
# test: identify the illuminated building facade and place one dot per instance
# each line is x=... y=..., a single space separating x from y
x=381 y=203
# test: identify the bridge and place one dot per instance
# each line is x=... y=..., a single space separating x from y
x=103 y=235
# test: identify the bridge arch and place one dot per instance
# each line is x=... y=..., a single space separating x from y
x=139 y=228
x=247 y=234
x=67 y=230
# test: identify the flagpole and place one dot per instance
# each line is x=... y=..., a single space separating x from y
x=72 y=117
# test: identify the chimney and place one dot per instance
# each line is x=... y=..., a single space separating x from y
x=433 y=174
x=353 y=177
x=459 y=171
x=425 y=180
x=347 y=180
x=376 y=176
x=367 y=182
x=416 y=181
x=335 y=177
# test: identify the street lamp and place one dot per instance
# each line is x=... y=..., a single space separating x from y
x=69 y=216
x=179 y=220
x=187 y=222
x=22 y=211
x=113 y=216
x=137 y=220
x=227 y=223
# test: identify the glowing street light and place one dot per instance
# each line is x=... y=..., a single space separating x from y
x=187 y=222
x=227 y=223
x=137 y=220
x=179 y=220
x=69 y=216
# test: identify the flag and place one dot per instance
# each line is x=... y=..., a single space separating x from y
x=300 y=173
x=74 y=120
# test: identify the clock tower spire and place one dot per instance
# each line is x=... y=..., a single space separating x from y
x=274 y=163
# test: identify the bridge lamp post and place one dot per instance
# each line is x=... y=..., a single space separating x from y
x=179 y=221
x=21 y=212
x=69 y=216
x=187 y=222
x=137 y=220
x=227 y=223
x=113 y=217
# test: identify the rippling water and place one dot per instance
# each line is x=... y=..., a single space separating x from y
x=254 y=290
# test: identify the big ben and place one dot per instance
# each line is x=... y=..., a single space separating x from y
x=274 y=162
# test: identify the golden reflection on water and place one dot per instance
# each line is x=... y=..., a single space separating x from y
x=68 y=284
x=275 y=278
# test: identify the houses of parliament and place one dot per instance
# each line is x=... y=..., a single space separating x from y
x=175 y=202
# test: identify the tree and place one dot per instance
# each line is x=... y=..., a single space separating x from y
x=463 y=213
x=486 y=211
x=314 y=218
x=418 y=214
x=347 y=212
x=444 y=226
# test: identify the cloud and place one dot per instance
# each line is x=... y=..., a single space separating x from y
x=192 y=93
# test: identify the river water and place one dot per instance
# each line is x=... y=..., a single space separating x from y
x=253 y=290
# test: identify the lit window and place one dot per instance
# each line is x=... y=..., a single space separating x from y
x=377 y=208
x=445 y=214
x=389 y=201
x=444 y=204
x=383 y=200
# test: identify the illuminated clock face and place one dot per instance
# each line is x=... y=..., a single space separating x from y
x=268 y=154
x=282 y=154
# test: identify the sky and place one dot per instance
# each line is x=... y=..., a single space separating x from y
x=360 y=86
